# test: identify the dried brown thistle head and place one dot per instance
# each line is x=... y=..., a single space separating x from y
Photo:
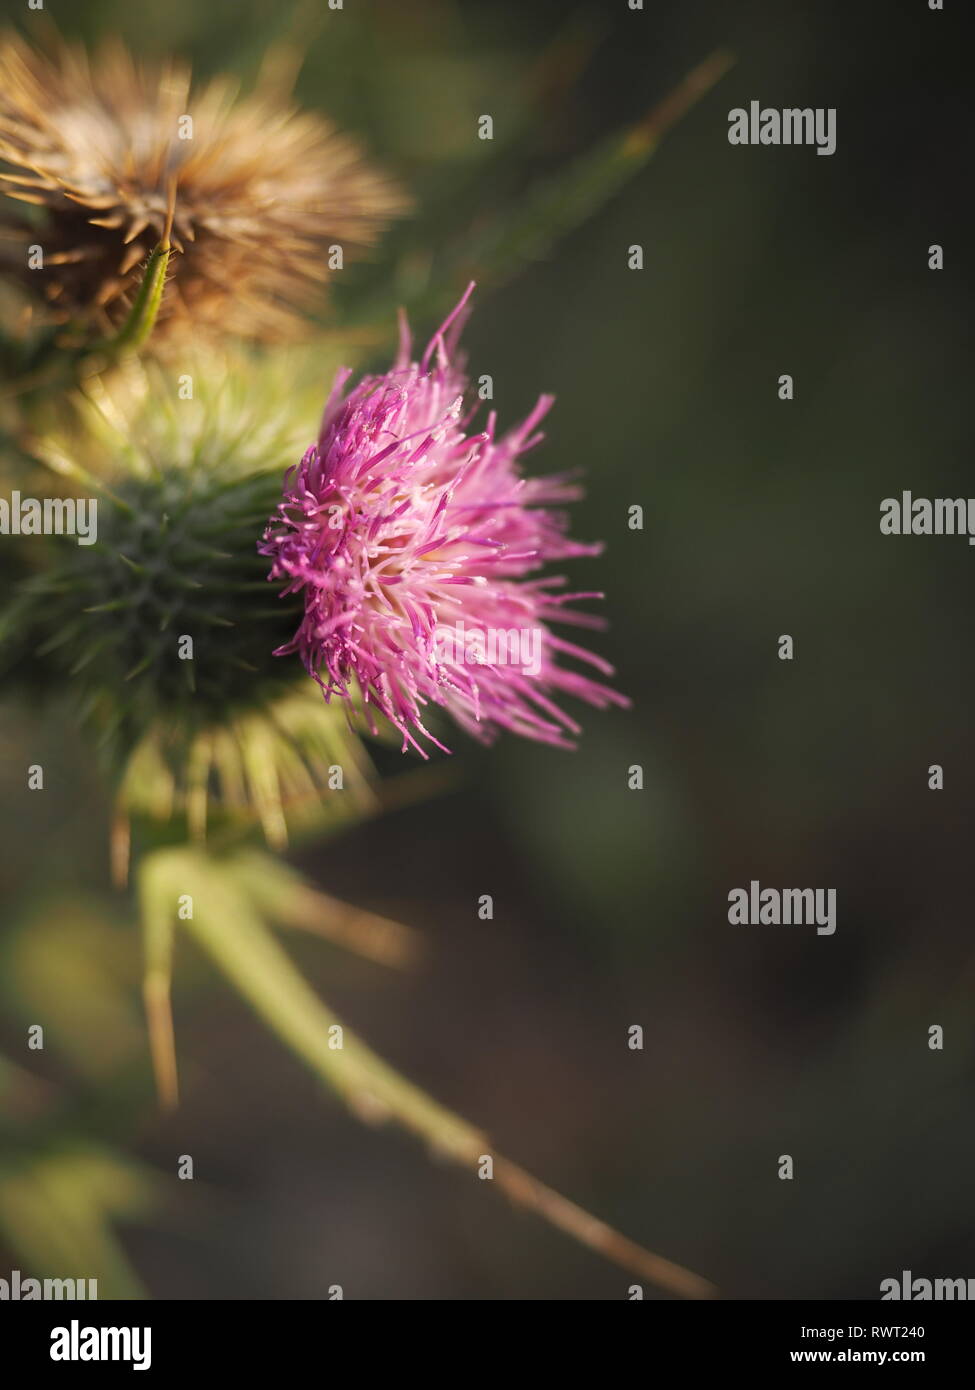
x=262 y=191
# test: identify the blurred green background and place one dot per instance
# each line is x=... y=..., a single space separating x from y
x=611 y=905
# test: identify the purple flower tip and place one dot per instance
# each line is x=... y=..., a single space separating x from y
x=413 y=539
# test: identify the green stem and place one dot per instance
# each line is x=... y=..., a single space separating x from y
x=253 y=961
x=142 y=316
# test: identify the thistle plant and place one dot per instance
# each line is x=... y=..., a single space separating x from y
x=162 y=628
x=234 y=559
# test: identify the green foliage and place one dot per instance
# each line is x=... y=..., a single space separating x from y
x=58 y=1208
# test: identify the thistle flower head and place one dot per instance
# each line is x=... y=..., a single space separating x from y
x=159 y=632
x=414 y=541
x=261 y=191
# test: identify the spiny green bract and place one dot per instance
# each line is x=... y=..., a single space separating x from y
x=168 y=615
x=171 y=607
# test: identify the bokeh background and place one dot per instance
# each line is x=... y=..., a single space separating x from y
x=610 y=904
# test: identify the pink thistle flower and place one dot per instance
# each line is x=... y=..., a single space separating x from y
x=412 y=540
